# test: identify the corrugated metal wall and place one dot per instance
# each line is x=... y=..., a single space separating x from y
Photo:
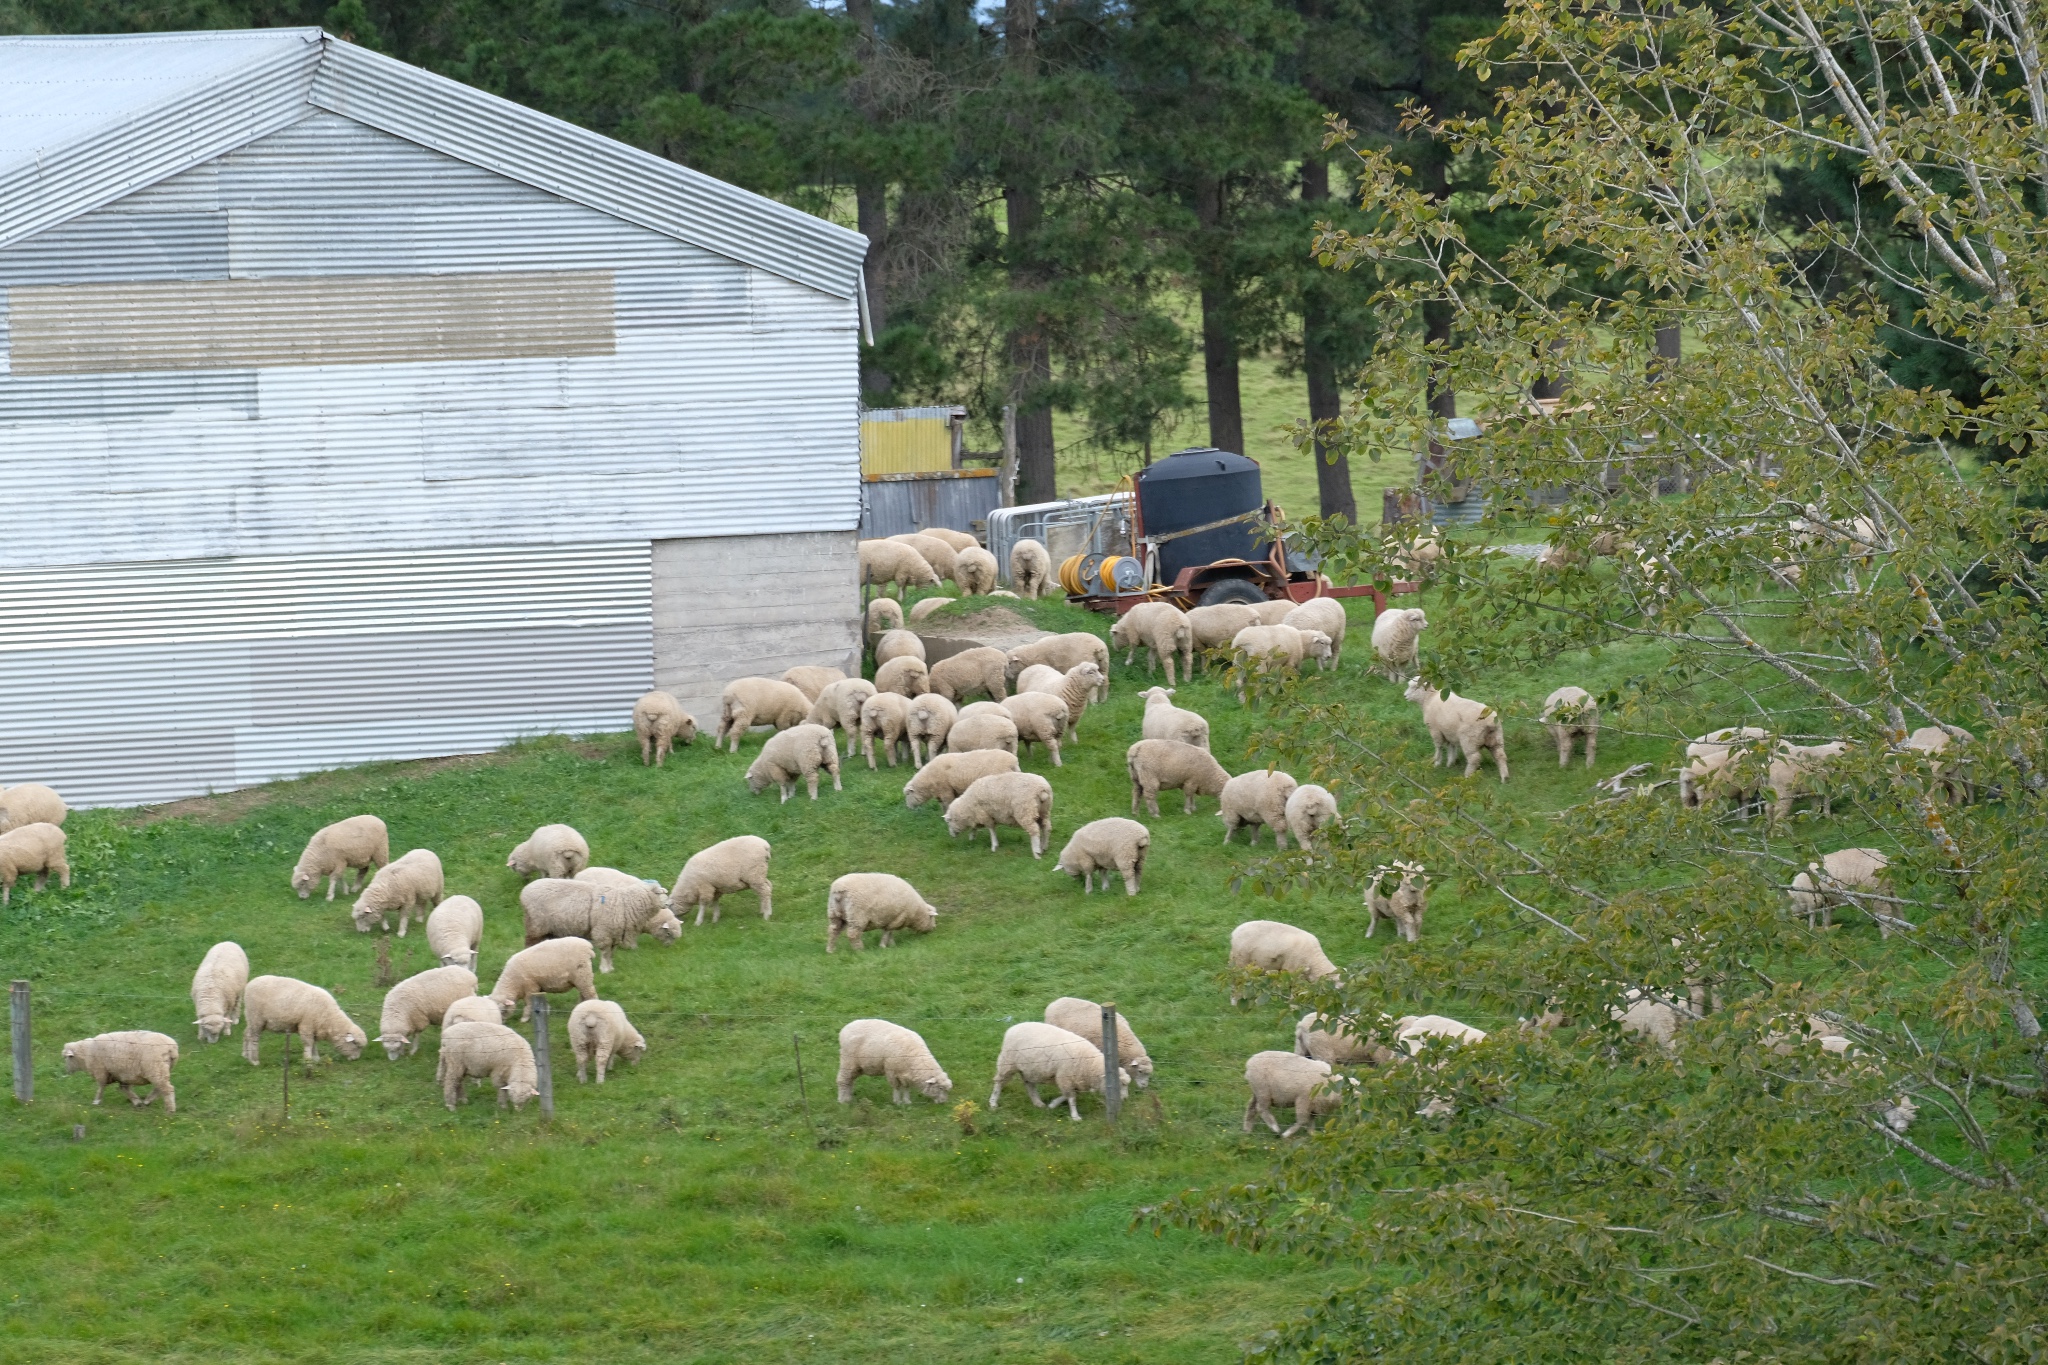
x=911 y=502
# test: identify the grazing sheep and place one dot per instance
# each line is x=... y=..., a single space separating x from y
x=1104 y=846
x=1395 y=635
x=1274 y=612
x=1413 y=1032
x=455 y=930
x=660 y=723
x=1329 y=1041
x=1020 y=799
x=1272 y=946
x=1215 y=627
x=1157 y=765
x=1707 y=756
x=217 y=991
x=550 y=851
x=876 y=1047
x=961 y=675
x=1325 y=614
x=1457 y=722
x=1951 y=776
x=1652 y=1020
x=884 y=614
x=885 y=716
x=418 y=1002
x=31 y=803
x=1310 y=808
x=1164 y=720
x=1302 y=1084
x=1571 y=712
x=281 y=1004
x=1039 y=678
x=926 y=606
x=471 y=1009
x=1075 y=687
x=838 y=705
x=974 y=570
x=905 y=676
x=410 y=885
x=1062 y=652
x=945 y=776
x=883 y=562
x=127 y=1059
x=1160 y=629
x=1257 y=798
x=943 y=558
x=357 y=846
x=811 y=679
x=792 y=756
x=982 y=731
x=1083 y=1019
x=1262 y=648
x=489 y=1052
x=1829 y=882
x=1030 y=568
x=1040 y=718
x=626 y=908
x=1801 y=770
x=600 y=1031
x=37 y=848
x=747 y=702
x=927 y=720
x=729 y=865
x=860 y=901
x=959 y=540
x=560 y=964
x=1399 y=902
x=1040 y=1054
x=1419 y=557
x=899 y=644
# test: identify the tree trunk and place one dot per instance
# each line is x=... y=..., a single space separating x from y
x=1319 y=366
x=871 y=211
x=1219 y=338
x=1443 y=399
x=1030 y=354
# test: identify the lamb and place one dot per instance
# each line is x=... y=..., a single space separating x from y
x=1953 y=778
x=1325 y=614
x=471 y=1009
x=1075 y=687
x=489 y=1051
x=1062 y=652
x=982 y=731
x=906 y=677
x=550 y=851
x=1214 y=627
x=1104 y=846
x=1157 y=765
x=974 y=569
x=1302 y=1084
x=961 y=675
x=1020 y=799
x=1311 y=808
x=560 y=964
x=410 y=885
x=37 y=848
x=943 y=558
x=1160 y=629
x=729 y=865
x=1083 y=1019
x=1257 y=798
x=885 y=716
x=884 y=614
x=1262 y=648
x=127 y=1059
x=1040 y=718
x=31 y=803
x=417 y=1002
x=660 y=723
x=1399 y=902
x=455 y=930
x=217 y=991
x=609 y=914
x=1272 y=946
x=947 y=775
x=811 y=679
x=357 y=846
x=1798 y=770
x=926 y=606
x=1413 y=1032
x=1571 y=712
x=1030 y=568
x=927 y=720
x=839 y=705
x=1164 y=720
x=959 y=540
x=1395 y=635
x=1457 y=722
x=1329 y=1041
x=1708 y=755
x=899 y=644
x=600 y=1031
x=281 y=1004
x=1039 y=678
x=747 y=702
x=1040 y=1054
x=793 y=756
x=860 y=901
x=883 y=562
x=876 y=1047
x=1825 y=884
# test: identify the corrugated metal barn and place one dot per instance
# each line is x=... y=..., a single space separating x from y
x=349 y=413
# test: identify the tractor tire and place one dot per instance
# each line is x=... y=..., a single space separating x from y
x=1232 y=590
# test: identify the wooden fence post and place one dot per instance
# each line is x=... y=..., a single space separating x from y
x=24 y=1052
x=542 y=1064
x=1112 y=1092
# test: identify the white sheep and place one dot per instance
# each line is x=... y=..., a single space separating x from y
x=417 y=1003
x=1075 y=687
x=1414 y=1031
x=1274 y=612
x=927 y=605
x=927 y=720
x=728 y=865
x=885 y=716
x=471 y=1009
x=792 y=756
x=550 y=851
x=1062 y=652
x=1395 y=636
x=1263 y=649
x=38 y=849
x=31 y=803
x=943 y=558
x=1083 y=1019
x=1157 y=765
x=281 y=1004
x=357 y=847
x=959 y=540
x=217 y=991
x=1160 y=629
x=982 y=730
x=1952 y=776
x=455 y=930
x=1164 y=720
x=1835 y=879
x=1030 y=568
x=611 y=911
x=1039 y=678
x=1020 y=799
x=1456 y=723
x=980 y=669
x=1324 y=614
x=838 y=707
x=1041 y=718
x=1214 y=627
x=1105 y=846
x=974 y=570
x=600 y=1031
x=883 y=562
x=876 y=1047
x=947 y=775
x=1801 y=770
x=1655 y=1021
x=747 y=702
x=1398 y=895
x=1707 y=755
x=1257 y=798
x=906 y=677
x=1571 y=713
x=860 y=901
x=811 y=679
x=1328 y=1040
x=486 y=1051
x=1272 y=946
x=560 y=964
x=1310 y=809
x=410 y=885
x=1418 y=558
x=660 y=723
x=900 y=644
x=1040 y=1054
x=1302 y=1084
x=127 y=1059
x=884 y=614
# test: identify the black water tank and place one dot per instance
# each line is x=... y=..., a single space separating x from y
x=1193 y=488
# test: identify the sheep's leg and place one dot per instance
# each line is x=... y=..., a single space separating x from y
x=1265 y=1105
x=1592 y=742
x=1500 y=758
x=995 y=1096
x=1251 y=1107
x=1472 y=760
x=1053 y=745
x=604 y=959
x=888 y=938
x=1073 y=1105
x=1230 y=828
x=867 y=747
x=582 y=1060
x=1564 y=745
x=1372 y=919
x=604 y=1059
x=102 y=1090
x=991 y=837
x=846 y=1085
x=1131 y=873
x=813 y=783
x=1031 y=1089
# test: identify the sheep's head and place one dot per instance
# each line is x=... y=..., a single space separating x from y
x=349 y=1044
x=519 y=1092
x=304 y=880
x=666 y=927
x=913 y=795
x=634 y=1050
x=394 y=1044
x=365 y=917
x=74 y=1057
x=1141 y=1071
x=213 y=1027
x=926 y=918
x=1159 y=696
x=955 y=821
x=1315 y=645
x=687 y=731
x=757 y=778
x=937 y=1087
x=1419 y=691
